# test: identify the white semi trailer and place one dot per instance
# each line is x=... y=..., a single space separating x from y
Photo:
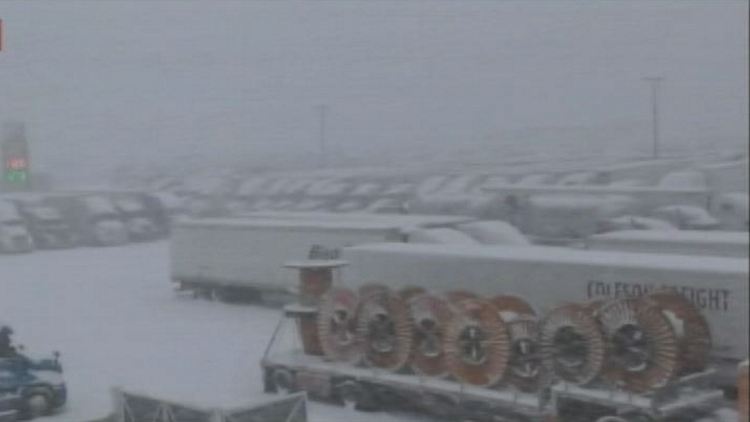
x=548 y=276
x=229 y=258
x=679 y=242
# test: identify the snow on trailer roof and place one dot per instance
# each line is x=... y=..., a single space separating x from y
x=531 y=188
x=687 y=236
x=424 y=220
x=441 y=235
x=298 y=224
x=565 y=256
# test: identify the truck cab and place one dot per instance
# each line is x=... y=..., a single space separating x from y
x=36 y=384
x=14 y=236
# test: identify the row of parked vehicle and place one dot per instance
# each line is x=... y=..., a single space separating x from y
x=652 y=195
x=56 y=220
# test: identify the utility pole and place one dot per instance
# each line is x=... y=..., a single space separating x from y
x=322 y=114
x=655 y=82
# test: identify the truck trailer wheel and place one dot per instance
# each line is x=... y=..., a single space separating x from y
x=612 y=419
x=357 y=396
x=283 y=380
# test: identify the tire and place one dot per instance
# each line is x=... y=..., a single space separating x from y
x=356 y=395
x=36 y=403
x=611 y=419
x=283 y=381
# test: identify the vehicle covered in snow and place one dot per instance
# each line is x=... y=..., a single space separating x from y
x=93 y=217
x=633 y=222
x=139 y=220
x=45 y=224
x=477 y=205
x=47 y=227
x=38 y=384
x=493 y=233
x=686 y=217
x=569 y=216
x=684 y=179
x=166 y=208
x=14 y=236
x=681 y=242
x=647 y=198
x=731 y=209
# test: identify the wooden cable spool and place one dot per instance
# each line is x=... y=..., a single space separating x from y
x=572 y=344
x=431 y=315
x=513 y=307
x=337 y=326
x=525 y=366
x=455 y=296
x=694 y=335
x=643 y=349
x=477 y=343
x=384 y=331
x=409 y=292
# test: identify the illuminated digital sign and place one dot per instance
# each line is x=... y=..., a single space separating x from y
x=16 y=167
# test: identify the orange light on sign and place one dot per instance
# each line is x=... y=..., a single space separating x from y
x=19 y=163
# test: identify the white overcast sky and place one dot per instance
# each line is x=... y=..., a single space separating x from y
x=102 y=83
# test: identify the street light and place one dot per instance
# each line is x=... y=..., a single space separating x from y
x=655 y=82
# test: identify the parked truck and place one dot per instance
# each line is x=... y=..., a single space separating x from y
x=14 y=236
x=231 y=258
x=93 y=217
x=47 y=227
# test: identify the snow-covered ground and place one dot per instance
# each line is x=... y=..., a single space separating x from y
x=115 y=318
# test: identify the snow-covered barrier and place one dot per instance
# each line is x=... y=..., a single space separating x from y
x=649 y=171
x=647 y=198
x=137 y=407
x=472 y=204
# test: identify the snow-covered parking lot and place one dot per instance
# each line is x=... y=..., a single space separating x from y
x=117 y=321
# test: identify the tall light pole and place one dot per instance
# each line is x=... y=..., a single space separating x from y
x=655 y=82
x=322 y=111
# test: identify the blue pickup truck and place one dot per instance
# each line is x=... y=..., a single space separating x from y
x=33 y=387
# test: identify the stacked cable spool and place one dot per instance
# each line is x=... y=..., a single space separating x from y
x=634 y=344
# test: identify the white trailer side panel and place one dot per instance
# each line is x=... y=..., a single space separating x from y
x=548 y=276
x=251 y=253
x=683 y=242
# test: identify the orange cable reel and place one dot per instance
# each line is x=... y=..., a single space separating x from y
x=385 y=330
x=337 y=325
x=572 y=345
x=477 y=343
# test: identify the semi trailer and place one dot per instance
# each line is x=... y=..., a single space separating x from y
x=231 y=258
x=225 y=258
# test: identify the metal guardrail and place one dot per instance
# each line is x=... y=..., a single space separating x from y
x=137 y=407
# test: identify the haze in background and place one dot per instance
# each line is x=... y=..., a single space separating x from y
x=102 y=84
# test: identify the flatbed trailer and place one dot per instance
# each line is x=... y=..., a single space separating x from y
x=287 y=368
